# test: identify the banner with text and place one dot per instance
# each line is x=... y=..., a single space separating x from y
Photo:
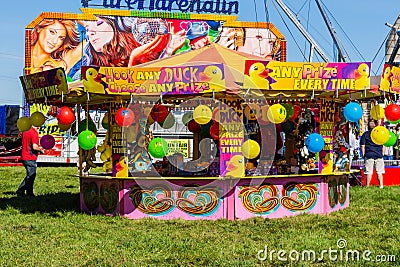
x=306 y=76
x=390 y=80
x=44 y=84
x=154 y=81
x=327 y=120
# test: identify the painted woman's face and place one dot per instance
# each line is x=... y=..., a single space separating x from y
x=258 y=42
x=99 y=33
x=52 y=37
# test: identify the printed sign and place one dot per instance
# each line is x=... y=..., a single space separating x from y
x=166 y=80
x=327 y=120
x=306 y=76
x=178 y=146
x=390 y=80
x=47 y=83
x=217 y=6
x=231 y=129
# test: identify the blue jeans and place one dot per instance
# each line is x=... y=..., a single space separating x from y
x=27 y=183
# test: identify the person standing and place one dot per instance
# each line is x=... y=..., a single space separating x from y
x=373 y=155
x=30 y=151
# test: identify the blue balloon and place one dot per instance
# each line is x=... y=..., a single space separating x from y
x=315 y=143
x=353 y=112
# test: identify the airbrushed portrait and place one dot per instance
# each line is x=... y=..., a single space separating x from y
x=113 y=41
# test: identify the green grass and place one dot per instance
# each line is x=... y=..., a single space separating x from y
x=50 y=230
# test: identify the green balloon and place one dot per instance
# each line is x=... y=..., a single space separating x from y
x=392 y=139
x=289 y=110
x=158 y=147
x=188 y=116
x=169 y=121
x=87 y=140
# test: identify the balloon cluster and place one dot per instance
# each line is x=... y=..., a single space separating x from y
x=380 y=135
x=391 y=112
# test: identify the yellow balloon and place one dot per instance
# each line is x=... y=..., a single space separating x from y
x=37 y=118
x=64 y=127
x=202 y=114
x=377 y=112
x=380 y=135
x=276 y=113
x=24 y=124
x=250 y=149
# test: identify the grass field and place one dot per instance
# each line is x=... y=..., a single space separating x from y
x=50 y=230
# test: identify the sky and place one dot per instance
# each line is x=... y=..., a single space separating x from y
x=360 y=26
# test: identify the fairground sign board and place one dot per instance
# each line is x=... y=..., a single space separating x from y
x=190 y=6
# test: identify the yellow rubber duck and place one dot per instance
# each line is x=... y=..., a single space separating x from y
x=385 y=82
x=63 y=86
x=93 y=83
x=213 y=75
x=258 y=74
x=362 y=75
x=235 y=166
x=122 y=168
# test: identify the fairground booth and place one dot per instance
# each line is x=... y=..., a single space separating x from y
x=204 y=118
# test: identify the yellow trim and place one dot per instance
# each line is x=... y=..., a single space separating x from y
x=319 y=175
x=158 y=14
x=61 y=16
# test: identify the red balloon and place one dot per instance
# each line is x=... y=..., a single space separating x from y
x=297 y=110
x=124 y=117
x=193 y=126
x=392 y=112
x=214 y=130
x=65 y=115
x=159 y=113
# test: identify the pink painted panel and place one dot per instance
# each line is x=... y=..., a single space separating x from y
x=172 y=199
x=337 y=193
x=100 y=196
x=277 y=198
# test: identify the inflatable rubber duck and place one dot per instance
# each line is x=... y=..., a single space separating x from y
x=362 y=75
x=214 y=76
x=235 y=167
x=122 y=167
x=62 y=82
x=385 y=81
x=258 y=75
x=93 y=83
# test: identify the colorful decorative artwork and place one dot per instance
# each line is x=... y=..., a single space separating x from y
x=390 y=81
x=104 y=200
x=261 y=200
x=126 y=39
x=161 y=200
